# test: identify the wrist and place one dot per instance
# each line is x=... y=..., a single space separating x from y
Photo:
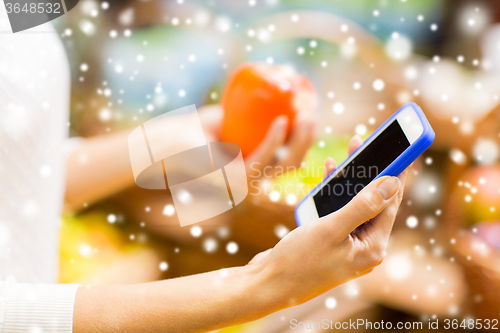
x=265 y=289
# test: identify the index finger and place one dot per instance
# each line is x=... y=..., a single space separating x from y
x=354 y=143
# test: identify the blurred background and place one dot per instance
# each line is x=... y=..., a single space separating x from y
x=133 y=60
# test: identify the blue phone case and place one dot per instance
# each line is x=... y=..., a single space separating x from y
x=402 y=161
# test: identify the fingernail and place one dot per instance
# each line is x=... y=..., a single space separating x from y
x=282 y=121
x=388 y=187
x=358 y=137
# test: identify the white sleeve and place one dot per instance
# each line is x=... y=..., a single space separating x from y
x=24 y=59
x=36 y=307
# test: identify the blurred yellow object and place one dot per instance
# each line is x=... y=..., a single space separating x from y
x=301 y=181
x=254 y=326
x=479 y=193
x=94 y=252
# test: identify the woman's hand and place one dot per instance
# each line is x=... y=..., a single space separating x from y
x=307 y=262
x=273 y=151
x=341 y=246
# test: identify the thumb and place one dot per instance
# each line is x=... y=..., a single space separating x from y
x=367 y=204
x=265 y=153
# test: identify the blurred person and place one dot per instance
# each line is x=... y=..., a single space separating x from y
x=34 y=93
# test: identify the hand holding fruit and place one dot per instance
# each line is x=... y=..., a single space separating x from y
x=269 y=112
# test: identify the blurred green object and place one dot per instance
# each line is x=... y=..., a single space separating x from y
x=302 y=181
x=94 y=251
x=151 y=56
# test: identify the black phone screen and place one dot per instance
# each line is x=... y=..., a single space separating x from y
x=363 y=168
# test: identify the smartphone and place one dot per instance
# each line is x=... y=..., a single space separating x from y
x=387 y=152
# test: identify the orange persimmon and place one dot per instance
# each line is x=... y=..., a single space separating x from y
x=255 y=95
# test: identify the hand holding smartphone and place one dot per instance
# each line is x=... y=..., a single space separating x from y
x=387 y=152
